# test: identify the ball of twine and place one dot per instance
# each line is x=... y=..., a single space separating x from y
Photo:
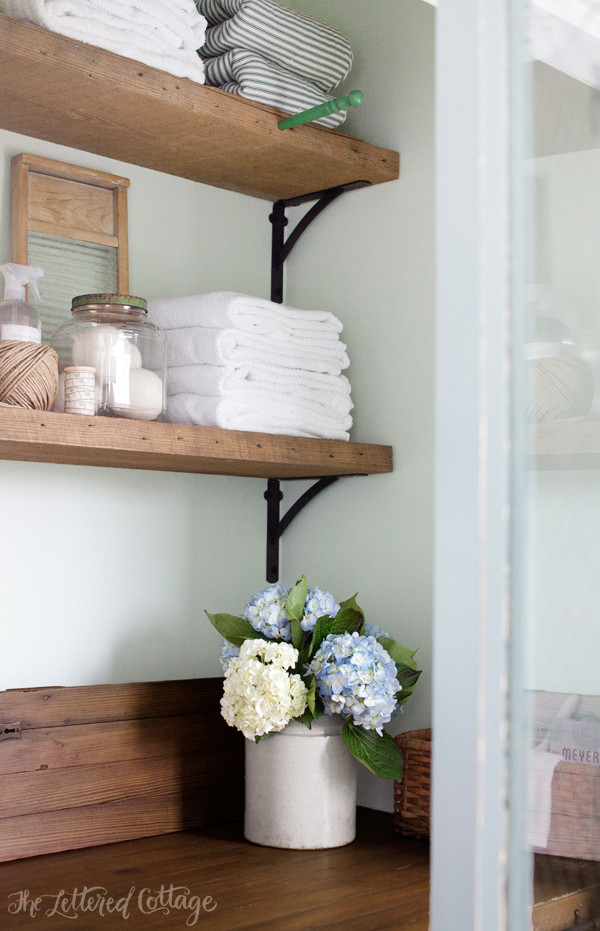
x=558 y=389
x=28 y=375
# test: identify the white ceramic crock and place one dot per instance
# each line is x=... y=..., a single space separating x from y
x=301 y=787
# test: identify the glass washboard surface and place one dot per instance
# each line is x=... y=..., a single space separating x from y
x=70 y=268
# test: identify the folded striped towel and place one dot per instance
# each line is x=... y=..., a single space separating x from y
x=248 y=74
x=244 y=312
x=217 y=346
x=261 y=413
x=295 y=41
x=331 y=391
x=137 y=32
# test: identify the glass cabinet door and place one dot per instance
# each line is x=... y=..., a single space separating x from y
x=556 y=359
x=516 y=711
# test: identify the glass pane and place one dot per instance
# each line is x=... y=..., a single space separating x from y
x=556 y=683
x=70 y=268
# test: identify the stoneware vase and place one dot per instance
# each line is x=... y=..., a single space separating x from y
x=301 y=787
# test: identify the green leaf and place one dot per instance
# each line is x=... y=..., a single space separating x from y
x=310 y=698
x=294 y=605
x=320 y=631
x=352 y=603
x=305 y=718
x=234 y=629
x=347 y=619
x=297 y=634
x=380 y=754
x=400 y=654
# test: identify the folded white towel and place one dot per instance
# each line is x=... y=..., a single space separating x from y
x=248 y=74
x=540 y=771
x=267 y=415
x=96 y=25
x=293 y=40
x=175 y=22
x=217 y=346
x=244 y=312
x=331 y=391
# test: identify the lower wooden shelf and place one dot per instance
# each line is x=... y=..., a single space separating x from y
x=565 y=444
x=42 y=436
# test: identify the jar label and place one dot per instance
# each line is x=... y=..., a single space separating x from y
x=23 y=334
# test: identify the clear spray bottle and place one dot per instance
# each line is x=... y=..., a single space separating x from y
x=19 y=320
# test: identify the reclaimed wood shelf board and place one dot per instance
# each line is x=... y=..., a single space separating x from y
x=565 y=444
x=42 y=436
x=68 y=92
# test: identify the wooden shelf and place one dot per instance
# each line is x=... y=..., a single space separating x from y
x=565 y=444
x=41 y=436
x=75 y=94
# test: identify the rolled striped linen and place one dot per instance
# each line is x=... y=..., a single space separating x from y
x=294 y=41
x=248 y=74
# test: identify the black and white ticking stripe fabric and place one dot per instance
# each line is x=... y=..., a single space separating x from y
x=294 y=41
x=248 y=74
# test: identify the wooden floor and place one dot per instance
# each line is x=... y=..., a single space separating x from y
x=381 y=881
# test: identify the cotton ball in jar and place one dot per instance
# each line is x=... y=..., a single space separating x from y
x=143 y=401
x=108 y=350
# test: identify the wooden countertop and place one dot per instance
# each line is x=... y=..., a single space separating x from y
x=381 y=881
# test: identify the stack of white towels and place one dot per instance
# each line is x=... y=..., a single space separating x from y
x=269 y=53
x=243 y=363
x=164 y=34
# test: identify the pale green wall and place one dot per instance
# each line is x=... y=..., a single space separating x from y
x=106 y=572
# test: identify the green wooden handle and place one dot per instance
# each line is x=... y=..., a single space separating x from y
x=354 y=99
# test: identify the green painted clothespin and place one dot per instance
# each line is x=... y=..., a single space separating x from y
x=354 y=99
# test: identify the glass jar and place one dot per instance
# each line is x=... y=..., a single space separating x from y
x=110 y=333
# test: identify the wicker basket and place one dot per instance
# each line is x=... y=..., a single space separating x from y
x=412 y=796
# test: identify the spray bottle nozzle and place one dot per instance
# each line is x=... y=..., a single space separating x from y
x=17 y=277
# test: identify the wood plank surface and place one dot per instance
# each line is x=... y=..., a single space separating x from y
x=87 y=704
x=562 y=886
x=100 y=764
x=88 y=744
x=43 y=436
x=381 y=881
x=75 y=94
x=565 y=444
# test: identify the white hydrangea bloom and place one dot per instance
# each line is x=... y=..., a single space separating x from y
x=259 y=695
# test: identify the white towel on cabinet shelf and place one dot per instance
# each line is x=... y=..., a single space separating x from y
x=295 y=41
x=134 y=36
x=331 y=391
x=243 y=312
x=229 y=346
x=260 y=412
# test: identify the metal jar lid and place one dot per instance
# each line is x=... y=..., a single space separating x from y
x=107 y=302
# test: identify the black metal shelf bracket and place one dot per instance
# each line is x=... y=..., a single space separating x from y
x=280 y=246
x=277 y=525
x=280 y=250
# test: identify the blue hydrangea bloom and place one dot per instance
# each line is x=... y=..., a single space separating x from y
x=356 y=677
x=228 y=651
x=373 y=630
x=318 y=604
x=266 y=613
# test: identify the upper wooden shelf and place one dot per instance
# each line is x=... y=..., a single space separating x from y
x=42 y=436
x=75 y=94
x=565 y=444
